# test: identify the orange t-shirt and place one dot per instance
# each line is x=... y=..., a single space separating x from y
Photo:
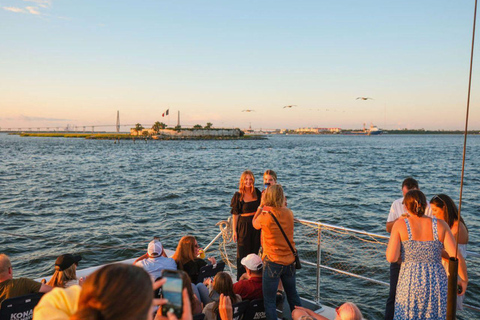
x=274 y=245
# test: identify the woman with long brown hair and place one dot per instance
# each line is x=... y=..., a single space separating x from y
x=244 y=205
x=444 y=208
x=186 y=257
x=222 y=284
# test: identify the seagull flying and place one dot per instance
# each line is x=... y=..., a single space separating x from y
x=364 y=98
x=290 y=106
x=248 y=110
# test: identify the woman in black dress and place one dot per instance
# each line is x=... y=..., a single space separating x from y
x=244 y=205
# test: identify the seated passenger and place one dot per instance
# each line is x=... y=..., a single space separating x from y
x=222 y=284
x=197 y=306
x=249 y=287
x=10 y=288
x=155 y=260
x=347 y=311
x=65 y=271
x=186 y=257
x=115 y=291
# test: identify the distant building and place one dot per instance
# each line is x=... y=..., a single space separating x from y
x=318 y=130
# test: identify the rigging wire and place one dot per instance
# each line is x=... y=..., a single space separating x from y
x=466 y=126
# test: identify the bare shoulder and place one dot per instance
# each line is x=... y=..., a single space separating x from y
x=442 y=229
x=442 y=225
x=399 y=226
x=463 y=227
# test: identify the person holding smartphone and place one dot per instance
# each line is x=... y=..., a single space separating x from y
x=278 y=258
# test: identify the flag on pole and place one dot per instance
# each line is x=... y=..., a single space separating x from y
x=163 y=114
x=166 y=113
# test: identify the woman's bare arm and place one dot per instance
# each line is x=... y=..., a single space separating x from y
x=394 y=244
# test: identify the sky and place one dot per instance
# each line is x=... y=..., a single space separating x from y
x=76 y=63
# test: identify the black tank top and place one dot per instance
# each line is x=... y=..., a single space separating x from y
x=240 y=206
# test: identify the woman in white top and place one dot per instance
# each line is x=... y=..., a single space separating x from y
x=445 y=209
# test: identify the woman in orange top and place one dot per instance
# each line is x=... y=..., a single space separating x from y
x=278 y=258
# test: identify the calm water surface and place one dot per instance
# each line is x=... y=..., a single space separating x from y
x=106 y=201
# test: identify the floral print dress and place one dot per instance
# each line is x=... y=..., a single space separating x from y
x=422 y=284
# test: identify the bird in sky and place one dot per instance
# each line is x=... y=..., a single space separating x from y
x=248 y=110
x=290 y=106
x=364 y=98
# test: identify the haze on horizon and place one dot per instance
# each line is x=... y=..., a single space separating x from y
x=77 y=63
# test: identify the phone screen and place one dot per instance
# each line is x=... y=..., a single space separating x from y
x=172 y=291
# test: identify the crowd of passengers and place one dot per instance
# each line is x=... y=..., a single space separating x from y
x=120 y=291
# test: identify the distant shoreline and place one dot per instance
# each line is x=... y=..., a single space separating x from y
x=126 y=136
x=432 y=132
x=391 y=132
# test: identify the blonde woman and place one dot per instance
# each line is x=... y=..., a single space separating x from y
x=65 y=271
x=278 y=258
x=244 y=205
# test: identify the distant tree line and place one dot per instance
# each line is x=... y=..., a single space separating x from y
x=157 y=126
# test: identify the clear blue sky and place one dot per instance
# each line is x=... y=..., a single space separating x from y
x=78 y=62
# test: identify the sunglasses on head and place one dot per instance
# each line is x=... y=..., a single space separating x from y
x=438 y=197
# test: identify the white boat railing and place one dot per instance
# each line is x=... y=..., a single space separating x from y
x=337 y=250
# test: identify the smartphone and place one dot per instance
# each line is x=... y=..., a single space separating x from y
x=172 y=291
x=266 y=185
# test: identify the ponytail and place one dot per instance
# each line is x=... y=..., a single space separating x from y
x=415 y=202
x=420 y=210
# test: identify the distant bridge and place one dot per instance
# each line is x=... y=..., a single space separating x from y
x=74 y=128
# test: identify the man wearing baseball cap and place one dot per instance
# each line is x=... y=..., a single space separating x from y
x=155 y=260
x=10 y=288
x=249 y=286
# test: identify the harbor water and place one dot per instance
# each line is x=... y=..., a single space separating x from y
x=106 y=201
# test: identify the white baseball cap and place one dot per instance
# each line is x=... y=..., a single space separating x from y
x=155 y=248
x=252 y=262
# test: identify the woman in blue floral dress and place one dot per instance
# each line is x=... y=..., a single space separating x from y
x=422 y=284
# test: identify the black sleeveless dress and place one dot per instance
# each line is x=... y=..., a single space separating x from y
x=248 y=238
